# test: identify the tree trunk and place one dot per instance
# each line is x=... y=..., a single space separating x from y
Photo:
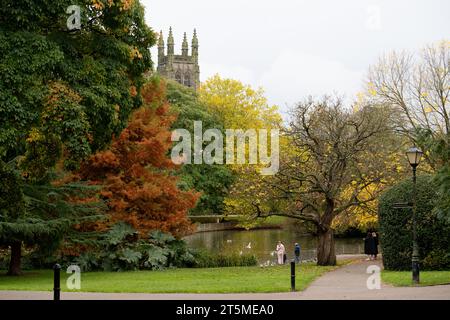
x=16 y=256
x=326 y=255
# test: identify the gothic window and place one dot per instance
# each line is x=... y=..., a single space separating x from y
x=187 y=79
x=178 y=77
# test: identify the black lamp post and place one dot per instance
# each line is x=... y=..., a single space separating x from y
x=414 y=155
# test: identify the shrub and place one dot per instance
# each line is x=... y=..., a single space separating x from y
x=119 y=249
x=437 y=260
x=396 y=228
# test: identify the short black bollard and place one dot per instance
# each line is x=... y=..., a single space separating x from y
x=292 y=275
x=56 y=282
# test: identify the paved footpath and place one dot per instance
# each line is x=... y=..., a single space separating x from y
x=350 y=282
x=347 y=282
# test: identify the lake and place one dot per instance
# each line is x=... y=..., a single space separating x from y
x=262 y=243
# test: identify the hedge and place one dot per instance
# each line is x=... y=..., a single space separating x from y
x=396 y=227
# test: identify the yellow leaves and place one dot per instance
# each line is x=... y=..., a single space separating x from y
x=58 y=89
x=427 y=108
x=35 y=135
x=123 y=5
x=126 y=5
x=359 y=101
x=116 y=108
x=239 y=106
x=371 y=89
x=97 y=4
x=358 y=216
x=135 y=53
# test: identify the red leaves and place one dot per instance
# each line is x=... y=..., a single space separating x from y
x=136 y=171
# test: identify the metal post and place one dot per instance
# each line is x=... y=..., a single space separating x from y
x=56 y=282
x=292 y=275
x=415 y=253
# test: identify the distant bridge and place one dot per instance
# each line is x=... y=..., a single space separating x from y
x=218 y=218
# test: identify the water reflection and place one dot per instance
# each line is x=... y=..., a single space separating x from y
x=262 y=243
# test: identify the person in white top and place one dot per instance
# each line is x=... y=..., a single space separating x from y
x=280 y=252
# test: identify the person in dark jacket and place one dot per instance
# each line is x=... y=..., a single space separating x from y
x=375 y=245
x=297 y=252
x=368 y=246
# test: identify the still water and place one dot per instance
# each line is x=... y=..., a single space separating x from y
x=262 y=243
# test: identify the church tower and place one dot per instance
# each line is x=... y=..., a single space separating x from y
x=182 y=68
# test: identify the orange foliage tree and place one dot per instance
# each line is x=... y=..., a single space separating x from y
x=137 y=174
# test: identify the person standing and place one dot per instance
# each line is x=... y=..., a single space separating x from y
x=297 y=252
x=280 y=252
x=368 y=247
x=375 y=245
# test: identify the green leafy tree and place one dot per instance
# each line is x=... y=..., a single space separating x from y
x=63 y=95
x=68 y=90
x=213 y=181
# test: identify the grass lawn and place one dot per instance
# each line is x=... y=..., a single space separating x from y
x=427 y=278
x=208 y=280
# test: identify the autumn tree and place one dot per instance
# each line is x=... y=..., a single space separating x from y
x=363 y=218
x=63 y=94
x=239 y=106
x=336 y=163
x=137 y=175
x=417 y=89
x=52 y=75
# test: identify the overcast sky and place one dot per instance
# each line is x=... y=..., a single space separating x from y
x=295 y=48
